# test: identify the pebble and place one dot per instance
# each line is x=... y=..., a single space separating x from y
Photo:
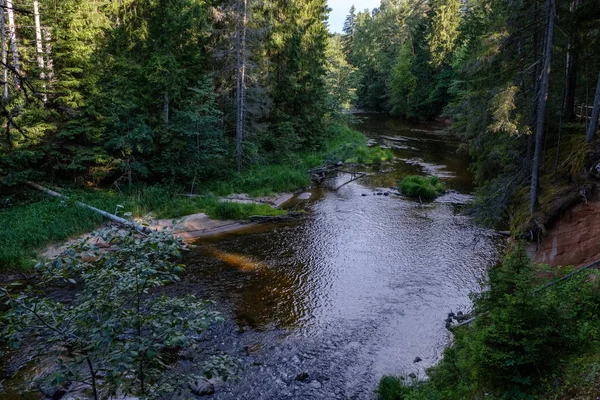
x=302 y=376
x=315 y=384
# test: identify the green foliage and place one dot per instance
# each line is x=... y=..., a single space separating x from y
x=425 y=188
x=141 y=91
x=393 y=388
x=524 y=344
x=404 y=83
x=26 y=228
x=341 y=78
x=444 y=29
x=116 y=331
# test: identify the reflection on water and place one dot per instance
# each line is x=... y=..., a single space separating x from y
x=419 y=149
x=363 y=284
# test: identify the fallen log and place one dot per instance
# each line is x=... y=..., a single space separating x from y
x=112 y=217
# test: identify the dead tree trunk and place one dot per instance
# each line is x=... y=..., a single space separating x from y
x=593 y=126
x=3 y=51
x=541 y=109
x=48 y=52
x=38 y=46
x=166 y=108
x=241 y=83
x=112 y=217
x=12 y=31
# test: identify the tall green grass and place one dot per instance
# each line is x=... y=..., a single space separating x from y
x=24 y=229
x=426 y=188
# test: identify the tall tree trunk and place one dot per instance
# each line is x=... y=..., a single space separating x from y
x=535 y=79
x=12 y=31
x=3 y=52
x=241 y=84
x=593 y=126
x=541 y=109
x=48 y=51
x=38 y=45
x=571 y=75
x=166 y=108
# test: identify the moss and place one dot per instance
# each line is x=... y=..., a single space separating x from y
x=426 y=188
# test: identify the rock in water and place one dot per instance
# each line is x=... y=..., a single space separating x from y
x=202 y=387
x=412 y=375
x=315 y=384
x=302 y=376
x=417 y=359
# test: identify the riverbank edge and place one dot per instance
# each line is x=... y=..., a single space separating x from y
x=575 y=374
x=29 y=228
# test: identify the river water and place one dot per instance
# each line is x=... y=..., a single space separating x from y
x=357 y=289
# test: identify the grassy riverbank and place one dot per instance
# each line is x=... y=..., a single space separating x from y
x=31 y=220
x=523 y=344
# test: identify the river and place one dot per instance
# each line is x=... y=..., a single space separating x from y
x=323 y=307
x=357 y=289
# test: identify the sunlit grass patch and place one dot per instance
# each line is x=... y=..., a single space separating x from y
x=426 y=188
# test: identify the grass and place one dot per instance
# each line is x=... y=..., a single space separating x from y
x=36 y=220
x=394 y=388
x=25 y=228
x=426 y=188
x=352 y=147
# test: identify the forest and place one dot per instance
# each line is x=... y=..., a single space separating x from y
x=137 y=106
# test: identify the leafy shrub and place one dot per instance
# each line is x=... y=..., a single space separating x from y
x=426 y=188
x=115 y=332
x=393 y=388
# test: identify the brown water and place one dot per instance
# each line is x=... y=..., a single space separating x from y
x=357 y=289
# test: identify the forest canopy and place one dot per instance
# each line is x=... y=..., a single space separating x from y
x=159 y=91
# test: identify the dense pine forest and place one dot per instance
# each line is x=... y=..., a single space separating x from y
x=517 y=79
x=165 y=107
x=159 y=91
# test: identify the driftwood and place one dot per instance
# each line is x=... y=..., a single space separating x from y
x=355 y=176
x=112 y=217
x=320 y=174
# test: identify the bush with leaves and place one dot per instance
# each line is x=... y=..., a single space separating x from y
x=115 y=332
